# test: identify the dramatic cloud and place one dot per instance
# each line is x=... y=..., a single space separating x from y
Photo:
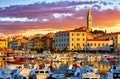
x=58 y=15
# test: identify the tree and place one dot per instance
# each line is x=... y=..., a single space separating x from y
x=98 y=32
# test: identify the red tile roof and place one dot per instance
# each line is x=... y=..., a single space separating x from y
x=71 y=31
x=97 y=40
x=112 y=33
x=2 y=39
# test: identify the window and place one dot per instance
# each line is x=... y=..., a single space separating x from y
x=83 y=44
x=99 y=44
x=83 y=39
x=72 y=44
x=107 y=44
x=72 y=34
x=64 y=34
x=56 y=40
x=91 y=44
x=103 y=44
x=67 y=44
x=74 y=47
x=67 y=39
x=41 y=71
x=88 y=44
x=67 y=34
x=36 y=71
x=78 y=44
x=78 y=34
x=72 y=39
x=83 y=34
x=46 y=71
x=78 y=39
x=95 y=44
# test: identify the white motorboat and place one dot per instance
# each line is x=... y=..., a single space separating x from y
x=90 y=75
x=41 y=73
x=58 y=76
x=114 y=73
x=22 y=74
x=77 y=74
x=5 y=74
x=85 y=73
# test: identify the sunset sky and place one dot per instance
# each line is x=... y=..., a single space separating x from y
x=43 y=16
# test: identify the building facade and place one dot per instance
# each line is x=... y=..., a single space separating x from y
x=99 y=44
x=70 y=40
x=47 y=42
x=3 y=44
x=115 y=37
x=31 y=45
x=17 y=44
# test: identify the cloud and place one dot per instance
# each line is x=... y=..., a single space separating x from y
x=98 y=7
x=13 y=19
x=57 y=15
x=61 y=15
x=45 y=20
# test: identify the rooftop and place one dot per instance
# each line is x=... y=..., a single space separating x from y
x=71 y=31
x=97 y=40
x=2 y=39
x=112 y=33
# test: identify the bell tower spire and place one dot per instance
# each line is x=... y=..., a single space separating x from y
x=89 y=20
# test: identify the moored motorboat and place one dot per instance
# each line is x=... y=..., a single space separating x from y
x=114 y=73
x=90 y=75
x=41 y=73
x=5 y=74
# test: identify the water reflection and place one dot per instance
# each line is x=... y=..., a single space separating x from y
x=103 y=66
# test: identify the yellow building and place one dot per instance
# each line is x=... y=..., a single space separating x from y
x=115 y=37
x=3 y=44
x=77 y=40
x=71 y=40
x=98 y=43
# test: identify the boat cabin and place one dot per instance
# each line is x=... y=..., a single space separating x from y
x=90 y=76
x=41 y=71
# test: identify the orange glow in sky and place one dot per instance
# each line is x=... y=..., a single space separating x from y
x=33 y=17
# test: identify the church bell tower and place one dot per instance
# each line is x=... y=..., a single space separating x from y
x=89 y=20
